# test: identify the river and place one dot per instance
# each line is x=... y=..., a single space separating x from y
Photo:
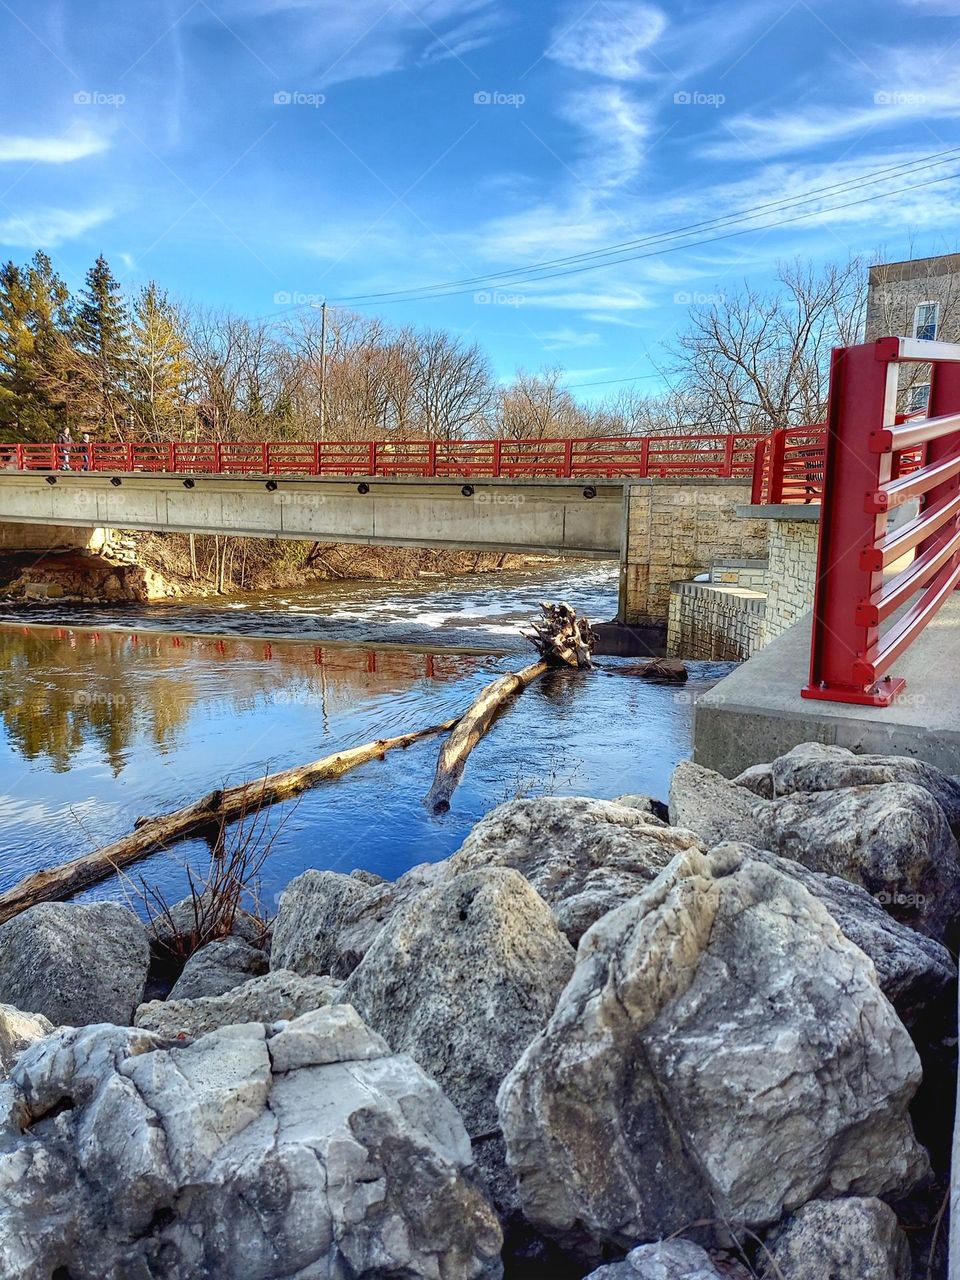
x=107 y=715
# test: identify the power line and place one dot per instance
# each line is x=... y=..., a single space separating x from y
x=609 y=382
x=670 y=248
x=933 y=160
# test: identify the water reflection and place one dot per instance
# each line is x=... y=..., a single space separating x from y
x=98 y=727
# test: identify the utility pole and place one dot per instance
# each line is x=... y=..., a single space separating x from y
x=323 y=368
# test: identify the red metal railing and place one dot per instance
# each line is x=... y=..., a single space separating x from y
x=608 y=457
x=788 y=465
x=875 y=462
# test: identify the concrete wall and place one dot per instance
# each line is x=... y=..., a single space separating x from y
x=552 y=516
x=791 y=575
x=50 y=537
x=675 y=529
x=710 y=620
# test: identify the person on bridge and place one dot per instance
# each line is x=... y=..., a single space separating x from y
x=64 y=440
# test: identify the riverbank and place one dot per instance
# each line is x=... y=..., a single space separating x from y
x=603 y=1038
x=142 y=568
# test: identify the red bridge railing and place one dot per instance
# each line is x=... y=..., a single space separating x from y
x=875 y=462
x=603 y=457
x=788 y=465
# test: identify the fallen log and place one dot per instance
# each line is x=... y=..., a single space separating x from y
x=470 y=728
x=209 y=814
x=671 y=670
x=562 y=639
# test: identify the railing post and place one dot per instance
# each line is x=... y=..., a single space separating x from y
x=778 y=453
x=728 y=456
x=759 y=472
x=20 y=466
x=863 y=391
x=644 y=457
x=497 y=454
x=129 y=456
x=567 y=459
x=171 y=457
x=316 y=457
x=944 y=399
x=432 y=458
x=373 y=458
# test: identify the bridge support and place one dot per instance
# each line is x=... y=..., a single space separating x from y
x=675 y=529
x=50 y=537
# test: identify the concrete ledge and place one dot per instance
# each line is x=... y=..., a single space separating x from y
x=757 y=712
x=780 y=511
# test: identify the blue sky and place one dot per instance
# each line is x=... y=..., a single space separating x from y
x=259 y=153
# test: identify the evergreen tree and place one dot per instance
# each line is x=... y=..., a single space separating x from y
x=34 y=347
x=161 y=372
x=102 y=337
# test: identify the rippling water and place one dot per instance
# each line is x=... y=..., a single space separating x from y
x=104 y=718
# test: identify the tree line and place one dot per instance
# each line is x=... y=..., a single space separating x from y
x=147 y=367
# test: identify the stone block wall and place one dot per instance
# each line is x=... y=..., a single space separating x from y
x=676 y=529
x=712 y=621
x=792 y=574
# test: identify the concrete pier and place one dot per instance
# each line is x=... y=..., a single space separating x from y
x=757 y=713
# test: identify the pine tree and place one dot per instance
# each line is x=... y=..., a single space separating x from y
x=102 y=335
x=34 y=342
x=161 y=373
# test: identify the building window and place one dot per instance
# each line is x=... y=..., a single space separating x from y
x=917 y=396
x=925 y=320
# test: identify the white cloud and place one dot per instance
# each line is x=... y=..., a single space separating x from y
x=911 y=85
x=76 y=144
x=360 y=40
x=48 y=228
x=610 y=38
x=617 y=129
x=619 y=299
x=567 y=338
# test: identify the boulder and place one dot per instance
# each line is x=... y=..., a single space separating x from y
x=184 y=918
x=657 y=812
x=364 y=918
x=462 y=980
x=218 y=967
x=75 y=964
x=664 y=1260
x=276 y=996
x=857 y=1238
x=17 y=1030
x=812 y=766
x=584 y=857
x=712 y=806
x=758 y=779
x=892 y=838
x=913 y=971
x=367 y=877
x=309 y=918
x=302 y=1149
x=721 y=1055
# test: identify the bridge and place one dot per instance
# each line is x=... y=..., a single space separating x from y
x=662 y=506
x=873 y=667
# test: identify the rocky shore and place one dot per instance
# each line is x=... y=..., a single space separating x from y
x=618 y=1039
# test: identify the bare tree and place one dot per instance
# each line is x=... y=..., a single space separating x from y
x=756 y=361
x=452 y=390
x=536 y=406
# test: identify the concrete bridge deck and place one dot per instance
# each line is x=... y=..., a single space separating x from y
x=559 y=517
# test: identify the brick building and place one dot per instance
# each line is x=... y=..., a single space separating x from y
x=919 y=298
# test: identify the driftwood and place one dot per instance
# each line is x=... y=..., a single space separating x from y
x=208 y=814
x=671 y=670
x=562 y=639
x=470 y=728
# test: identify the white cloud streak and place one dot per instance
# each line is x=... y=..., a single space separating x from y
x=77 y=144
